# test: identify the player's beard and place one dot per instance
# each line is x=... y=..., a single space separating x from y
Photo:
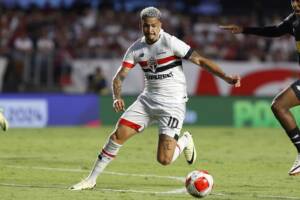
x=151 y=38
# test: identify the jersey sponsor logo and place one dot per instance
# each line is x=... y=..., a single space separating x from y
x=159 y=76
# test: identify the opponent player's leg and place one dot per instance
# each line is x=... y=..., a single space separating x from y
x=108 y=153
x=281 y=108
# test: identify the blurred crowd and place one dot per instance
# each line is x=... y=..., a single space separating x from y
x=41 y=43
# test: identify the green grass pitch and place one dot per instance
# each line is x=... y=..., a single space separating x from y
x=247 y=164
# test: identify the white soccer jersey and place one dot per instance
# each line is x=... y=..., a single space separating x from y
x=162 y=66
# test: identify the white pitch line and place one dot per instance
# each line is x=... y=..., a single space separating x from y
x=181 y=179
x=31 y=186
x=175 y=191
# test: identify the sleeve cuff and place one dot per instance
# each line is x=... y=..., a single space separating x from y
x=188 y=54
x=127 y=64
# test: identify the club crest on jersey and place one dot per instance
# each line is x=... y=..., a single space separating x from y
x=152 y=64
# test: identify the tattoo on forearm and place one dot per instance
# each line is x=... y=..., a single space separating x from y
x=117 y=86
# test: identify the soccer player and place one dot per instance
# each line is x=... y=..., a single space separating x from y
x=289 y=97
x=163 y=100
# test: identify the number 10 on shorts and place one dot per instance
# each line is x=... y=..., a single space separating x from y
x=173 y=122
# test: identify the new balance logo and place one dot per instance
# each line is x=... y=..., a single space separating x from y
x=141 y=55
x=298 y=87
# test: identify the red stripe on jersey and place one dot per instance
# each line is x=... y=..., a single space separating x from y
x=130 y=124
x=159 y=61
x=143 y=63
x=108 y=154
x=165 y=60
x=127 y=64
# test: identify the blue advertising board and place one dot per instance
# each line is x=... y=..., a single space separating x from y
x=41 y=110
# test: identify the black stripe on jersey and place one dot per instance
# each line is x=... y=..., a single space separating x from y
x=166 y=67
x=188 y=54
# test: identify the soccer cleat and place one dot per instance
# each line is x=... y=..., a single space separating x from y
x=85 y=184
x=295 y=170
x=190 y=150
x=3 y=122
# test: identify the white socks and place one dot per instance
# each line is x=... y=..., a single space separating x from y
x=109 y=152
x=181 y=144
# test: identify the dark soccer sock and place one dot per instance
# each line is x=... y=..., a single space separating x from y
x=294 y=135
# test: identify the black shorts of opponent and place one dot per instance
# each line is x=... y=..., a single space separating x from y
x=296 y=88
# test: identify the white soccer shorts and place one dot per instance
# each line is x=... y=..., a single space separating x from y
x=144 y=111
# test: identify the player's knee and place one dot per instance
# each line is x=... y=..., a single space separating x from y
x=164 y=160
x=276 y=107
x=121 y=134
x=117 y=136
x=113 y=137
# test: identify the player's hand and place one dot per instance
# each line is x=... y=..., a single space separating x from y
x=234 y=80
x=232 y=28
x=119 y=105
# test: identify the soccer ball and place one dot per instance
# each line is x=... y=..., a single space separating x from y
x=199 y=183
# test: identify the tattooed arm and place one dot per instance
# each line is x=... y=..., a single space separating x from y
x=214 y=69
x=118 y=102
